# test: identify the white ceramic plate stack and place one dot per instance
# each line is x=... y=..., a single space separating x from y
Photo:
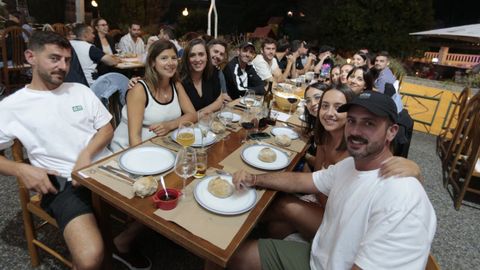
x=250 y=156
x=147 y=160
x=208 y=140
x=276 y=131
x=236 y=117
x=240 y=201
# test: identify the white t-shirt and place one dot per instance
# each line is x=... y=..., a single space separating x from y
x=371 y=222
x=263 y=69
x=53 y=126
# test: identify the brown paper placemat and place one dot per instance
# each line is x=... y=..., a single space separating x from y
x=296 y=145
x=234 y=162
x=109 y=180
x=166 y=142
x=114 y=182
x=216 y=229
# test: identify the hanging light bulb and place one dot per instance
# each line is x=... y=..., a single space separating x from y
x=185 y=12
x=94 y=3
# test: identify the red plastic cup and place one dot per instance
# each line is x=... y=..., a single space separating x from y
x=160 y=200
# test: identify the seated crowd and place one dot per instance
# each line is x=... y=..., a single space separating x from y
x=376 y=217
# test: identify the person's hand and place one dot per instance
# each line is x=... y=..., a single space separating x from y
x=290 y=58
x=226 y=98
x=324 y=56
x=160 y=129
x=243 y=179
x=312 y=57
x=401 y=167
x=83 y=160
x=133 y=81
x=295 y=55
x=36 y=178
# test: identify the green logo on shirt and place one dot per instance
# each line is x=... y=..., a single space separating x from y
x=77 y=108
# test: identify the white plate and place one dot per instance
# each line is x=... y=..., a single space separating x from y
x=250 y=156
x=147 y=160
x=276 y=131
x=236 y=117
x=240 y=202
x=255 y=104
x=208 y=140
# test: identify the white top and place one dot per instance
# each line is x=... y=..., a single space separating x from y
x=127 y=45
x=89 y=66
x=53 y=126
x=152 y=39
x=155 y=112
x=371 y=222
x=263 y=69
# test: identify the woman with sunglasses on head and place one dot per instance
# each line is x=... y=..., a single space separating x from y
x=158 y=103
x=312 y=96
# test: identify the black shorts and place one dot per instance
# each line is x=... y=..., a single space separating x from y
x=68 y=204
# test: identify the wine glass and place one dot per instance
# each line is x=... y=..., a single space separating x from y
x=186 y=134
x=249 y=99
x=225 y=116
x=204 y=121
x=185 y=165
x=292 y=100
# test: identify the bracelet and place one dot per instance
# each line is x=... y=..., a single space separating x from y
x=254 y=180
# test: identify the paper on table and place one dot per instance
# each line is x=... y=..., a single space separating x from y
x=281 y=116
x=216 y=229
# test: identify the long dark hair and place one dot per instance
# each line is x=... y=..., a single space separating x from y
x=151 y=75
x=185 y=68
x=320 y=134
x=368 y=77
x=309 y=124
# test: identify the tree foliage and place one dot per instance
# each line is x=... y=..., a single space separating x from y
x=377 y=25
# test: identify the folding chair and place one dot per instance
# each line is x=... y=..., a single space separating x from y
x=460 y=165
x=455 y=113
x=31 y=206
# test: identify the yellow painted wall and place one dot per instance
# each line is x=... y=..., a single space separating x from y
x=428 y=105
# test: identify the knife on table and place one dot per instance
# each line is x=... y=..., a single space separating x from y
x=123 y=177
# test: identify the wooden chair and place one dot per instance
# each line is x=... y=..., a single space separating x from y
x=450 y=130
x=13 y=46
x=461 y=159
x=31 y=206
x=432 y=264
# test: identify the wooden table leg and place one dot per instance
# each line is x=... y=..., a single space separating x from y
x=102 y=215
x=209 y=265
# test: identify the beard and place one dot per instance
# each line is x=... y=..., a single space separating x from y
x=54 y=78
x=367 y=149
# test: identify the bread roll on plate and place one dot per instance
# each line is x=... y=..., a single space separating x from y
x=220 y=188
x=267 y=155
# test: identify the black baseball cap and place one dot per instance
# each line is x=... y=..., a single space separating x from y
x=375 y=102
x=246 y=44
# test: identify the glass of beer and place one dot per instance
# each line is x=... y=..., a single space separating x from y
x=202 y=162
x=186 y=134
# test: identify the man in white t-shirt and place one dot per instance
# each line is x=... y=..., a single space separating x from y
x=132 y=42
x=63 y=127
x=266 y=64
x=88 y=55
x=369 y=222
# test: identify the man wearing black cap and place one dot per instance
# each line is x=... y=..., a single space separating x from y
x=369 y=222
x=240 y=74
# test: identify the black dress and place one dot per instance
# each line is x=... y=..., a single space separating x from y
x=210 y=91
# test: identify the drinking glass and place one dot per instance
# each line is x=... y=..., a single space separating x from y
x=202 y=162
x=292 y=100
x=185 y=165
x=248 y=125
x=186 y=134
x=204 y=122
x=249 y=99
x=225 y=116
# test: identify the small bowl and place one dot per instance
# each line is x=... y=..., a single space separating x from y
x=282 y=102
x=160 y=201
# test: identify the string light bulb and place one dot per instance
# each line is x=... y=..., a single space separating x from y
x=185 y=12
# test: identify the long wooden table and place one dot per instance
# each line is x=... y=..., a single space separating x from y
x=143 y=209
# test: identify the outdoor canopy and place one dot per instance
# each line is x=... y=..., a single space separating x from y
x=469 y=33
